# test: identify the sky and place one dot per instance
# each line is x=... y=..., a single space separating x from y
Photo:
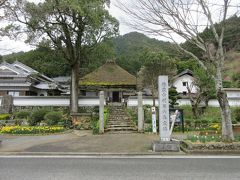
x=8 y=46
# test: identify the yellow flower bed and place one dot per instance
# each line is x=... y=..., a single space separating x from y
x=30 y=129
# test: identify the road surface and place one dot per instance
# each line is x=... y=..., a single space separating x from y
x=116 y=168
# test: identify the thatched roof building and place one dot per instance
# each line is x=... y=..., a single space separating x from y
x=111 y=78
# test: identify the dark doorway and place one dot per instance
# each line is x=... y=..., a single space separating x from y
x=116 y=96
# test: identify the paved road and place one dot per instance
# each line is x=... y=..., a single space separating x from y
x=119 y=168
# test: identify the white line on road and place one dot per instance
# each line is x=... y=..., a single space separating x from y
x=119 y=157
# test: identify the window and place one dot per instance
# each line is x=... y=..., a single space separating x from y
x=185 y=83
x=184 y=93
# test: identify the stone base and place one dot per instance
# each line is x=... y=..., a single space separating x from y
x=166 y=146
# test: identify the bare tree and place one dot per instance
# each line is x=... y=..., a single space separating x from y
x=184 y=20
x=2 y=2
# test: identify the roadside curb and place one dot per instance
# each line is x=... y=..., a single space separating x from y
x=91 y=154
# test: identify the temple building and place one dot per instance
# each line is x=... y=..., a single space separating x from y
x=116 y=82
x=17 y=79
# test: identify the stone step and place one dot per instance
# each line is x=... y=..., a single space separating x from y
x=119 y=125
x=121 y=129
x=120 y=122
x=121 y=132
x=119 y=119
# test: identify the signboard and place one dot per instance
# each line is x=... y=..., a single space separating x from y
x=175 y=116
x=163 y=101
x=154 y=123
x=179 y=119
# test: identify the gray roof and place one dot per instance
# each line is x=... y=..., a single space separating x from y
x=13 y=68
x=63 y=79
x=187 y=71
x=25 y=71
x=24 y=67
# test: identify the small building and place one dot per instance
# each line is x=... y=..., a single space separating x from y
x=182 y=81
x=116 y=82
x=64 y=82
x=17 y=79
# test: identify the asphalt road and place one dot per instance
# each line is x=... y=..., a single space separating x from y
x=119 y=168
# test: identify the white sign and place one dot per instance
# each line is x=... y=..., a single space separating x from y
x=154 y=123
x=163 y=102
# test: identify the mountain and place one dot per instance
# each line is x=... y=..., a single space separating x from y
x=130 y=47
x=126 y=49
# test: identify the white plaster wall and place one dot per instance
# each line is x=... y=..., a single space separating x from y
x=233 y=102
x=233 y=94
x=178 y=83
x=52 y=101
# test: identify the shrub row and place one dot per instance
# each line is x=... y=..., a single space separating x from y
x=43 y=115
x=30 y=129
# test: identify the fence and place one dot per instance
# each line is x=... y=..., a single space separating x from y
x=94 y=101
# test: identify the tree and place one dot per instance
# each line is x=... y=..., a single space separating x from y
x=173 y=97
x=186 y=19
x=156 y=64
x=69 y=26
x=205 y=90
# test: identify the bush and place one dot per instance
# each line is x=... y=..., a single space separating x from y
x=24 y=114
x=95 y=125
x=52 y=118
x=37 y=116
x=5 y=116
x=236 y=113
x=147 y=114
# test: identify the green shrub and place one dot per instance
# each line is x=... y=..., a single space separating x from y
x=37 y=116
x=52 y=118
x=236 y=114
x=5 y=116
x=147 y=114
x=95 y=124
x=24 y=114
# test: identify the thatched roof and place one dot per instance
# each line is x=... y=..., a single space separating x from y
x=109 y=74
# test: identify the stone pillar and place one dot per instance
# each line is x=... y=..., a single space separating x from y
x=101 y=112
x=140 y=113
x=163 y=102
x=165 y=143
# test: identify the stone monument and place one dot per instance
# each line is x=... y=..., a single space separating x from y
x=6 y=105
x=165 y=143
x=140 y=113
x=101 y=112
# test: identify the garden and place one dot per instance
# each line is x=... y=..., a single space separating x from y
x=42 y=120
x=49 y=120
x=209 y=122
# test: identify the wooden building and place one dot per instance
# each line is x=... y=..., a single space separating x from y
x=17 y=79
x=116 y=82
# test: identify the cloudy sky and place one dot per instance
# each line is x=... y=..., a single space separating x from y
x=8 y=46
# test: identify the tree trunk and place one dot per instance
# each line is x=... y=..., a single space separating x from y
x=227 y=132
x=74 y=91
